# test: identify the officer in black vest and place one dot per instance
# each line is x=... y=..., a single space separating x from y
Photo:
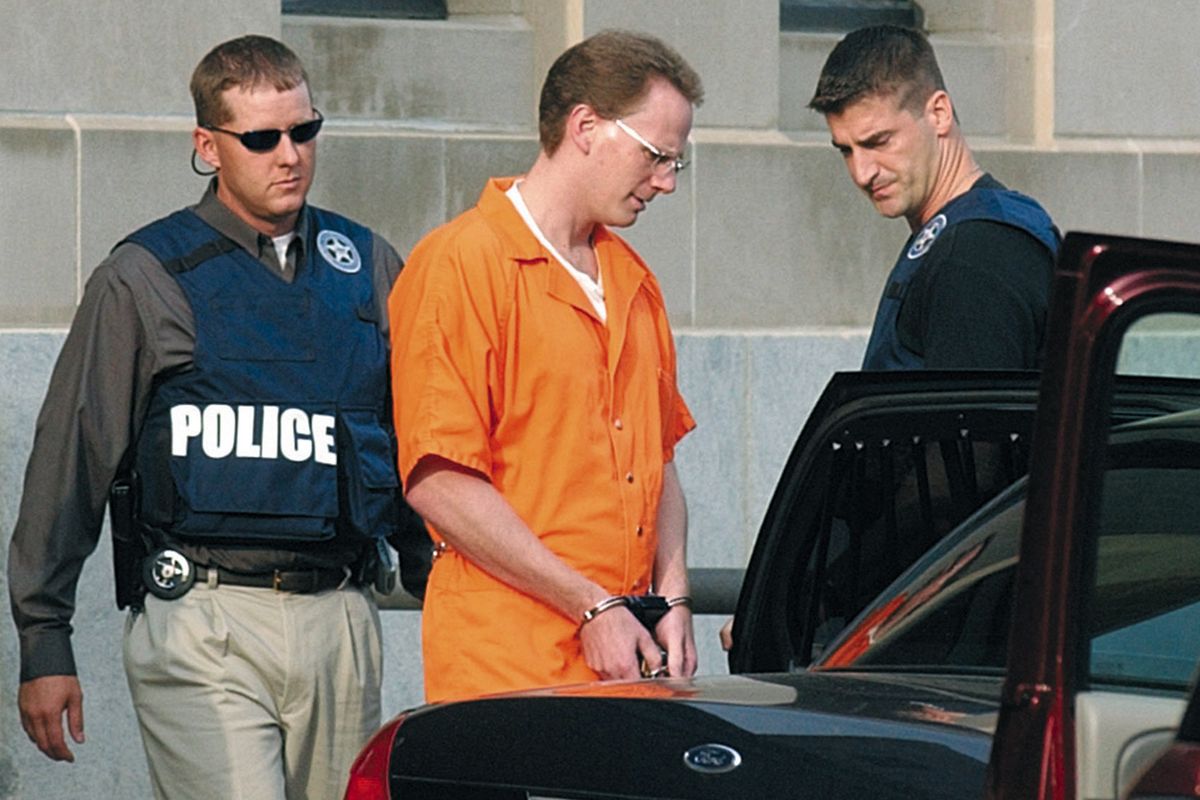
x=227 y=370
x=971 y=285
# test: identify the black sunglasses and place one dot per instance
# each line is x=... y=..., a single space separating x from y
x=265 y=141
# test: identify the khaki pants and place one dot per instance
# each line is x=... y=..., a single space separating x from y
x=251 y=693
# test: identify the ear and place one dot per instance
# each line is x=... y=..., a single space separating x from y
x=205 y=143
x=582 y=127
x=939 y=110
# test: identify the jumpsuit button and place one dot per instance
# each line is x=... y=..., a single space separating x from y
x=618 y=424
x=629 y=477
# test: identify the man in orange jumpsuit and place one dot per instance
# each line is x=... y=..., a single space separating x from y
x=538 y=412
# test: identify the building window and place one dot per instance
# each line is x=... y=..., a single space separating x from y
x=847 y=15
x=391 y=9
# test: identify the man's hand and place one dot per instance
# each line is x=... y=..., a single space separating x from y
x=42 y=702
x=674 y=632
x=611 y=643
x=726 y=634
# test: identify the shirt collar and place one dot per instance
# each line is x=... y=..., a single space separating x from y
x=219 y=216
x=504 y=219
x=624 y=270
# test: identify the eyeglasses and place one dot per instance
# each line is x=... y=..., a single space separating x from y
x=658 y=158
x=266 y=140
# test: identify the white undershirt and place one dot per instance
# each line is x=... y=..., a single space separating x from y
x=594 y=289
x=281 y=247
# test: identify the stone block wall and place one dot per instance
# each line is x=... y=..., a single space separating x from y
x=770 y=259
x=115 y=56
x=1126 y=69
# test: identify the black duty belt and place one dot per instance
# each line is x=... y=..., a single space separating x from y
x=169 y=574
x=300 y=581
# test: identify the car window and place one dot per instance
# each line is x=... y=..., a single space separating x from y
x=1161 y=345
x=953 y=609
x=1144 y=619
x=887 y=503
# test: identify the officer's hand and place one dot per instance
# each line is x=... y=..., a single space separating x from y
x=42 y=702
x=726 y=634
x=674 y=633
x=611 y=643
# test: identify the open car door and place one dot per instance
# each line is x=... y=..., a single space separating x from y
x=1119 y=306
x=886 y=465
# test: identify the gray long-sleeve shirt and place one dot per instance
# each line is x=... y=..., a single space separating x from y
x=133 y=325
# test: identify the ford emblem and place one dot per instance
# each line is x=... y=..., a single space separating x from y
x=712 y=759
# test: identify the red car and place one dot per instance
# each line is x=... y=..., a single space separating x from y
x=919 y=619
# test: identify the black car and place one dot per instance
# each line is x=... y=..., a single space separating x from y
x=918 y=619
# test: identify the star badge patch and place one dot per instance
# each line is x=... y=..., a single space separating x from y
x=339 y=251
x=924 y=240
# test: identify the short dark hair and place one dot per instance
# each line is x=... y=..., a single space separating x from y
x=610 y=72
x=245 y=62
x=879 y=60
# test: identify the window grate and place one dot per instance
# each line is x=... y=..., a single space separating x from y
x=847 y=15
x=383 y=9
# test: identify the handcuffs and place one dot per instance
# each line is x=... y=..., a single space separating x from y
x=648 y=609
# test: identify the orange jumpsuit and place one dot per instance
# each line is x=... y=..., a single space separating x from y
x=502 y=366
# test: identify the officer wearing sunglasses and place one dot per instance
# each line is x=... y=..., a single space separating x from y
x=265 y=141
x=227 y=375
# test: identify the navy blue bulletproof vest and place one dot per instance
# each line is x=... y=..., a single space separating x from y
x=884 y=350
x=281 y=429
